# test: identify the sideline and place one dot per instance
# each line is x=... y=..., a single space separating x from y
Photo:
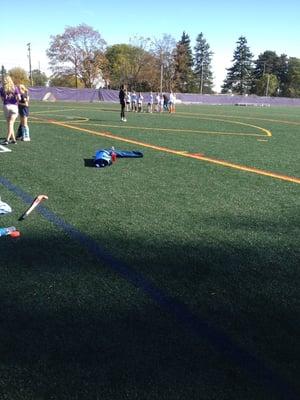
x=256 y=368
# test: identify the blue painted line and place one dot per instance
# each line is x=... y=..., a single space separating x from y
x=255 y=368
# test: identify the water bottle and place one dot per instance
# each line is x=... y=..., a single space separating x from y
x=113 y=154
x=7 y=231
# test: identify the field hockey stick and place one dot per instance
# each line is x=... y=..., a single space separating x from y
x=33 y=205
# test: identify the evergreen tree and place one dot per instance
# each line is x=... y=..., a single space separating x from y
x=282 y=74
x=239 y=76
x=202 y=65
x=183 y=62
x=293 y=78
x=270 y=63
x=266 y=63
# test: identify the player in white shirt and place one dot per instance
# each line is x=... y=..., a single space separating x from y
x=172 y=102
x=133 y=101
x=150 y=103
x=161 y=103
x=128 y=101
x=157 y=102
x=140 y=102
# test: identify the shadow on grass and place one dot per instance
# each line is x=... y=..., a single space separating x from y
x=72 y=328
x=89 y=162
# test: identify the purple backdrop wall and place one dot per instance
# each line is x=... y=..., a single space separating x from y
x=109 y=95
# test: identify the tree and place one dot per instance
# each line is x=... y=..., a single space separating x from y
x=39 y=78
x=269 y=62
x=293 y=78
x=19 y=75
x=202 y=65
x=239 y=76
x=3 y=73
x=163 y=50
x=65 y=81
x=183 y=62
x=267 y=85
x=79 y=51
x=130 y=65
x=266 y=63
x=282 y=73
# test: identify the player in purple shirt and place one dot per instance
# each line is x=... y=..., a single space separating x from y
x=10 y=96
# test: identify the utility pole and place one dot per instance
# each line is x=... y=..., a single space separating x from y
x=2 y=74
x=29 y=58
x=201 y=81
x=268 y=83
x=161 y=76
x=76 y=78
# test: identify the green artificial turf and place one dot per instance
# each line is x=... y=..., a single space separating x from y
x=222 y=241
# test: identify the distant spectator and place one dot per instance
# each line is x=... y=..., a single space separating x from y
x=133 y=101
x=161 y=103
x=128 y=101
x=150 y=103
x=10 y=96
x=140 y=102
x=166 y=102
x=157 y=102
x=172 y=102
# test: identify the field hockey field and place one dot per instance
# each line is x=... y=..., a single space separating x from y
x=170 y=277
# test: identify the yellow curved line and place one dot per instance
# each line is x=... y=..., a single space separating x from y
x=243 y=117
x=182 y=154
x=180 y=113
x=177 y=130
x=188 y=115
x=233 y=122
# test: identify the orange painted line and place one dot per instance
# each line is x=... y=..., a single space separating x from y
x=198 y=154
x=180 y=153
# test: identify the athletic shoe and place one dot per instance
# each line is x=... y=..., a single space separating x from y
x=5 y=142
x=26 y=139
x=13 y=141
x=124 y=120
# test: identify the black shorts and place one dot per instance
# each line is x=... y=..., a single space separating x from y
x=23 y=111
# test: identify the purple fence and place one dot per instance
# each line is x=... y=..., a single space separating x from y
x=109 y=95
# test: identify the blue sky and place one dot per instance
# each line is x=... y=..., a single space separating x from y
x=267 y=25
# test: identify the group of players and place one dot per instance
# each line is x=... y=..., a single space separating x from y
x=135 y=102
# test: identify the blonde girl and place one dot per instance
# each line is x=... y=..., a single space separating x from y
x=10 y=96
